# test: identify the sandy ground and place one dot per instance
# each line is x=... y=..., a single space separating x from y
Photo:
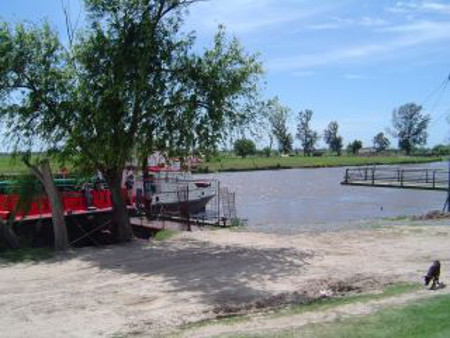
x=149 y=288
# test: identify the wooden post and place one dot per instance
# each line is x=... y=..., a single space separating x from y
x=426 y=176
x=373 y=176
x=346 y=176
x=401 y=177
x=365 y=174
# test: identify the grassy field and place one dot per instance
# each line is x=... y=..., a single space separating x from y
x=429 y=318
x=263 y=163
x=9 y=165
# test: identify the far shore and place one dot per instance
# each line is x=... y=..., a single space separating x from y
x=235 y=164
x=9 y=165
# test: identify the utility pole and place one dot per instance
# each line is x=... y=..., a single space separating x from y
x=448 y=190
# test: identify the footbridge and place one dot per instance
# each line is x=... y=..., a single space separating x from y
x=400 y=178
x=425 y=179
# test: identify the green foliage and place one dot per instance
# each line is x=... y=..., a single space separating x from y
x=410 y=126
x=244 y=147
x=440 y=150
x=381 y=142
x=266 y=151
x=305 y=134
x=130 y=82
x=354 y=147
x=277 y=116
x=237 y=222
x=164 y=235
x=332 y=138
x=25 y=255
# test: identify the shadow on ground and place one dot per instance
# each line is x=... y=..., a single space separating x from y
x=217 y=273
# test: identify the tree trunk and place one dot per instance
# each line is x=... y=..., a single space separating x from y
x=44 y=175
x=8 y=235
x=59 y=223
x=120 y=220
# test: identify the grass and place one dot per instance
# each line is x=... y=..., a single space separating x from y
x=428 y=318
x=317 y=305
x=164 y=235
x=263 y=163
x=327 y=303
x=11 y=165
x=25 y=255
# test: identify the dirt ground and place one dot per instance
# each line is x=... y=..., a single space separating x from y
x=150 y=288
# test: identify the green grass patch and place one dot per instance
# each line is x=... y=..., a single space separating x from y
x=264 y=163
x=25 y=255
x=327 y=303
x=316 y=305
x=164 y=235
x=11 y=165
x=428 y=318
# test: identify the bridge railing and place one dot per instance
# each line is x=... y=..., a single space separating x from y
x=431 y=178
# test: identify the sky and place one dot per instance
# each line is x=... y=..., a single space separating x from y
x=349 y=61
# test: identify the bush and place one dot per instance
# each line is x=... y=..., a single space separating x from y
x=354 y=147
x=440 y=150
x=244 y=147
x=266 y=152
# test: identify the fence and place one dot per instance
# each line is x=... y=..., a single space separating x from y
x=428 y=179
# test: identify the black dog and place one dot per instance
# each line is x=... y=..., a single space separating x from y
x=433 y=274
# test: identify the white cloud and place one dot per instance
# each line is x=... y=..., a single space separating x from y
x=247 y=16
x=353 y=76
x=423 y=6
x=340 y=22
x=408 y=35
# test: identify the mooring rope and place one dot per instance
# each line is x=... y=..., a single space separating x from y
x=88 y=234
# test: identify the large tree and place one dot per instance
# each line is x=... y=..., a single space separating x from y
x=305 y=134
x=410 y=126
x=332 y=138
x=277 y=116
x=127 y=84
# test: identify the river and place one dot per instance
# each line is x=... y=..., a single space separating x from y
x=290 y=201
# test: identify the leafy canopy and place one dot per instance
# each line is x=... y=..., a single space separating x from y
x=305 y=134
x=410 y=126
x=277 y=115
x=332 y=138
x=129 y=83
x=244 y=147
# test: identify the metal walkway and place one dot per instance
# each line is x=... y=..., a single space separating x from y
x=424 y=179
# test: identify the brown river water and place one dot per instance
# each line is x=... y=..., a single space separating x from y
x=296 y=200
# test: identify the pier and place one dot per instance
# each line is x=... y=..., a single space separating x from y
x=423 y=179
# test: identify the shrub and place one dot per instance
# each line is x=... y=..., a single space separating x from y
x=244 y=147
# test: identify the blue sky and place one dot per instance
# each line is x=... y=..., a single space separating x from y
x=347 y=60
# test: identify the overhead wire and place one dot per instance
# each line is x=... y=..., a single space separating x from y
x=440 y=92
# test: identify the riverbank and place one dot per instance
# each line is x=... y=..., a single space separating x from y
x=274 y=163
x=10 y=165
x=149 y=288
